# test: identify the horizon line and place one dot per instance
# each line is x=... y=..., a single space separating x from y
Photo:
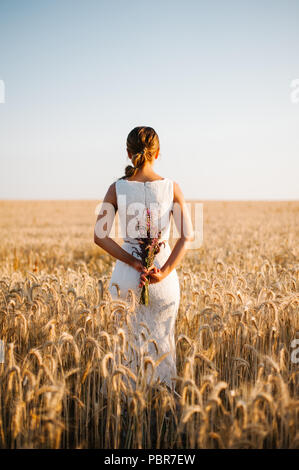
x=186 y=199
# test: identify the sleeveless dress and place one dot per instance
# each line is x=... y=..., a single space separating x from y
x=153 y=325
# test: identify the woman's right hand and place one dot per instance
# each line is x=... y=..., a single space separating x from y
x=153 y=275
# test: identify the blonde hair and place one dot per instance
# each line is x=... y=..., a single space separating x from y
x=142 y=143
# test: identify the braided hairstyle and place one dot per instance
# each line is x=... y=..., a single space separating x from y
x=142 y=143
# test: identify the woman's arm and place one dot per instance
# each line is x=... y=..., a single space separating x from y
x=103 y=227
x=184 y=226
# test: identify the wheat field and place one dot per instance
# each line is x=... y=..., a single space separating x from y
x=64 y=339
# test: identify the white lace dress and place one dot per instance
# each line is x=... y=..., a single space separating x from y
x=153 y=325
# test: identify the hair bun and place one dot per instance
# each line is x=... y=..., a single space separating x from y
x=141 y=136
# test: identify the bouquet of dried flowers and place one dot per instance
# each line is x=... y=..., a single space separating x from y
x=148 y=247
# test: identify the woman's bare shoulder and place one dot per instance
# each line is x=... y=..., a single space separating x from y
x=111 y=195
x=177 y=192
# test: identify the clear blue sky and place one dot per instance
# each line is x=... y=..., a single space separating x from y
x=212 y=77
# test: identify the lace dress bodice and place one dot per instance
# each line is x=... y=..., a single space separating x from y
x=134 y=197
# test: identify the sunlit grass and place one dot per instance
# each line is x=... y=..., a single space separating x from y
x=66 y=343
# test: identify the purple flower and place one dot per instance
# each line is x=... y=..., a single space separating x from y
x=147 y=249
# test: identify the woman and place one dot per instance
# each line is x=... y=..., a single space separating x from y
x=143 y=189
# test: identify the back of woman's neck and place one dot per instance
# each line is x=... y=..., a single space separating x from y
x=145 y=176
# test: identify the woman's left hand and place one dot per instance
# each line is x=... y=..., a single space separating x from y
x=152 y=274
